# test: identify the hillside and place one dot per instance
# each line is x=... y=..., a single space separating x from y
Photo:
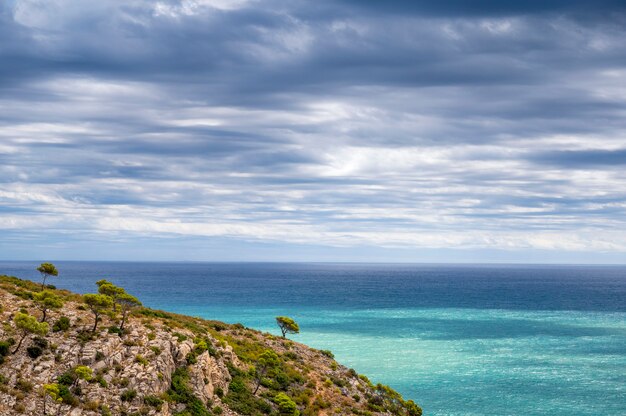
x=164 y=364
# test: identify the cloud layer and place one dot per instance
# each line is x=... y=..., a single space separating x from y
x=342 y=125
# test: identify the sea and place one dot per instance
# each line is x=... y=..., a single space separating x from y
x=457 y=339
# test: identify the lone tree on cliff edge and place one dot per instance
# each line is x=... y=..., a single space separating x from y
x=47 y=269
x=287 y=325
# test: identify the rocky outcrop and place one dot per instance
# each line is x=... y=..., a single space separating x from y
x=163 y=363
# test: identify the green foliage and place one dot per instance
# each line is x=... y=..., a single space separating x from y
x=241 y=400
x=24 y=385
x=67 y=396
x=127 y=303
x=34 y=351
x=153 y=401
x=181 y=392
x=46 y=300
x=115 y=330
x=141 y=360
x=128 y=395
x=67 y=379
x=286 y=406
x=287 y=325
x=62 y=324
x=46 y=270
x=28 y=324
x=83 y=372
x=327 y=353
x=97 y=303
x=4 y=348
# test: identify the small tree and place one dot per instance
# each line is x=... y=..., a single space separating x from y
x=127 y=303
x=82 y=372
x=267 y=361
x=287 y=325
x=47 y=300
x=54 y=392
x=107 y=288
x=47 y=269
x=28 y=324
x=97 y=303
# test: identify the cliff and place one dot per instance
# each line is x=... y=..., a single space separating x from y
x=166 y=364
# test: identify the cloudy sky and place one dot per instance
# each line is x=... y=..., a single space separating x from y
x=443 y=131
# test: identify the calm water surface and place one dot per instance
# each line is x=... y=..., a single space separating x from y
x=460 y=340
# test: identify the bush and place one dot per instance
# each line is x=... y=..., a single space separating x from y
x=153 y=401
x=128 y=395
x=4 y=348
x=24 y=385
x=67 y=396
x=40 y=342
x=286 y=406
x=67 y=379
x=327 y=353
x=115 y=330
x=62 y=324
x=34 y=351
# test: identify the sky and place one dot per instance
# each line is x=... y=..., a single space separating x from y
x=345 y=130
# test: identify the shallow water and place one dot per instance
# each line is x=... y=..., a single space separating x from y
x=460 y=340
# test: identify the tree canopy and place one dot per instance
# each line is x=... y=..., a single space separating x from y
x=47 y=269
x=287 y=325
x=267 y=360
x=127 y=302
x=47 y=300
x=97 y=303
x=28 y=324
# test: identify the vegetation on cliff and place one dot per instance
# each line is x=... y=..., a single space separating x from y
x=140 y=361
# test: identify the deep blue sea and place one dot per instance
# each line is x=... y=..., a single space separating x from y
x=459 y=340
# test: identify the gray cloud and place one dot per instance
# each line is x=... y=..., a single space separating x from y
x=414 y=125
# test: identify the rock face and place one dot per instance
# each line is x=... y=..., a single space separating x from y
x=166 y=363
x=142 y=361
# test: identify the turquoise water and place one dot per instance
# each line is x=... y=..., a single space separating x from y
x=470 y=340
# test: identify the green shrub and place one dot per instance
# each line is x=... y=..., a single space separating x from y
x=286 y=406
x=34 y=351
x=153 y=401
x=327 y=353
x=181 y=392
x=67 y=396
x=24 y=385
x=128 y=395
x=40 y=342
x=61 y=324
x=141 y=360
x=4 y=348
x=115 y=330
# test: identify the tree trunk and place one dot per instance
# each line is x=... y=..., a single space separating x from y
x=124 y=313
x=95 y=324
x=19 y=344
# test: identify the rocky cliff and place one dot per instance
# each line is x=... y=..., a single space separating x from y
x=166 y=364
